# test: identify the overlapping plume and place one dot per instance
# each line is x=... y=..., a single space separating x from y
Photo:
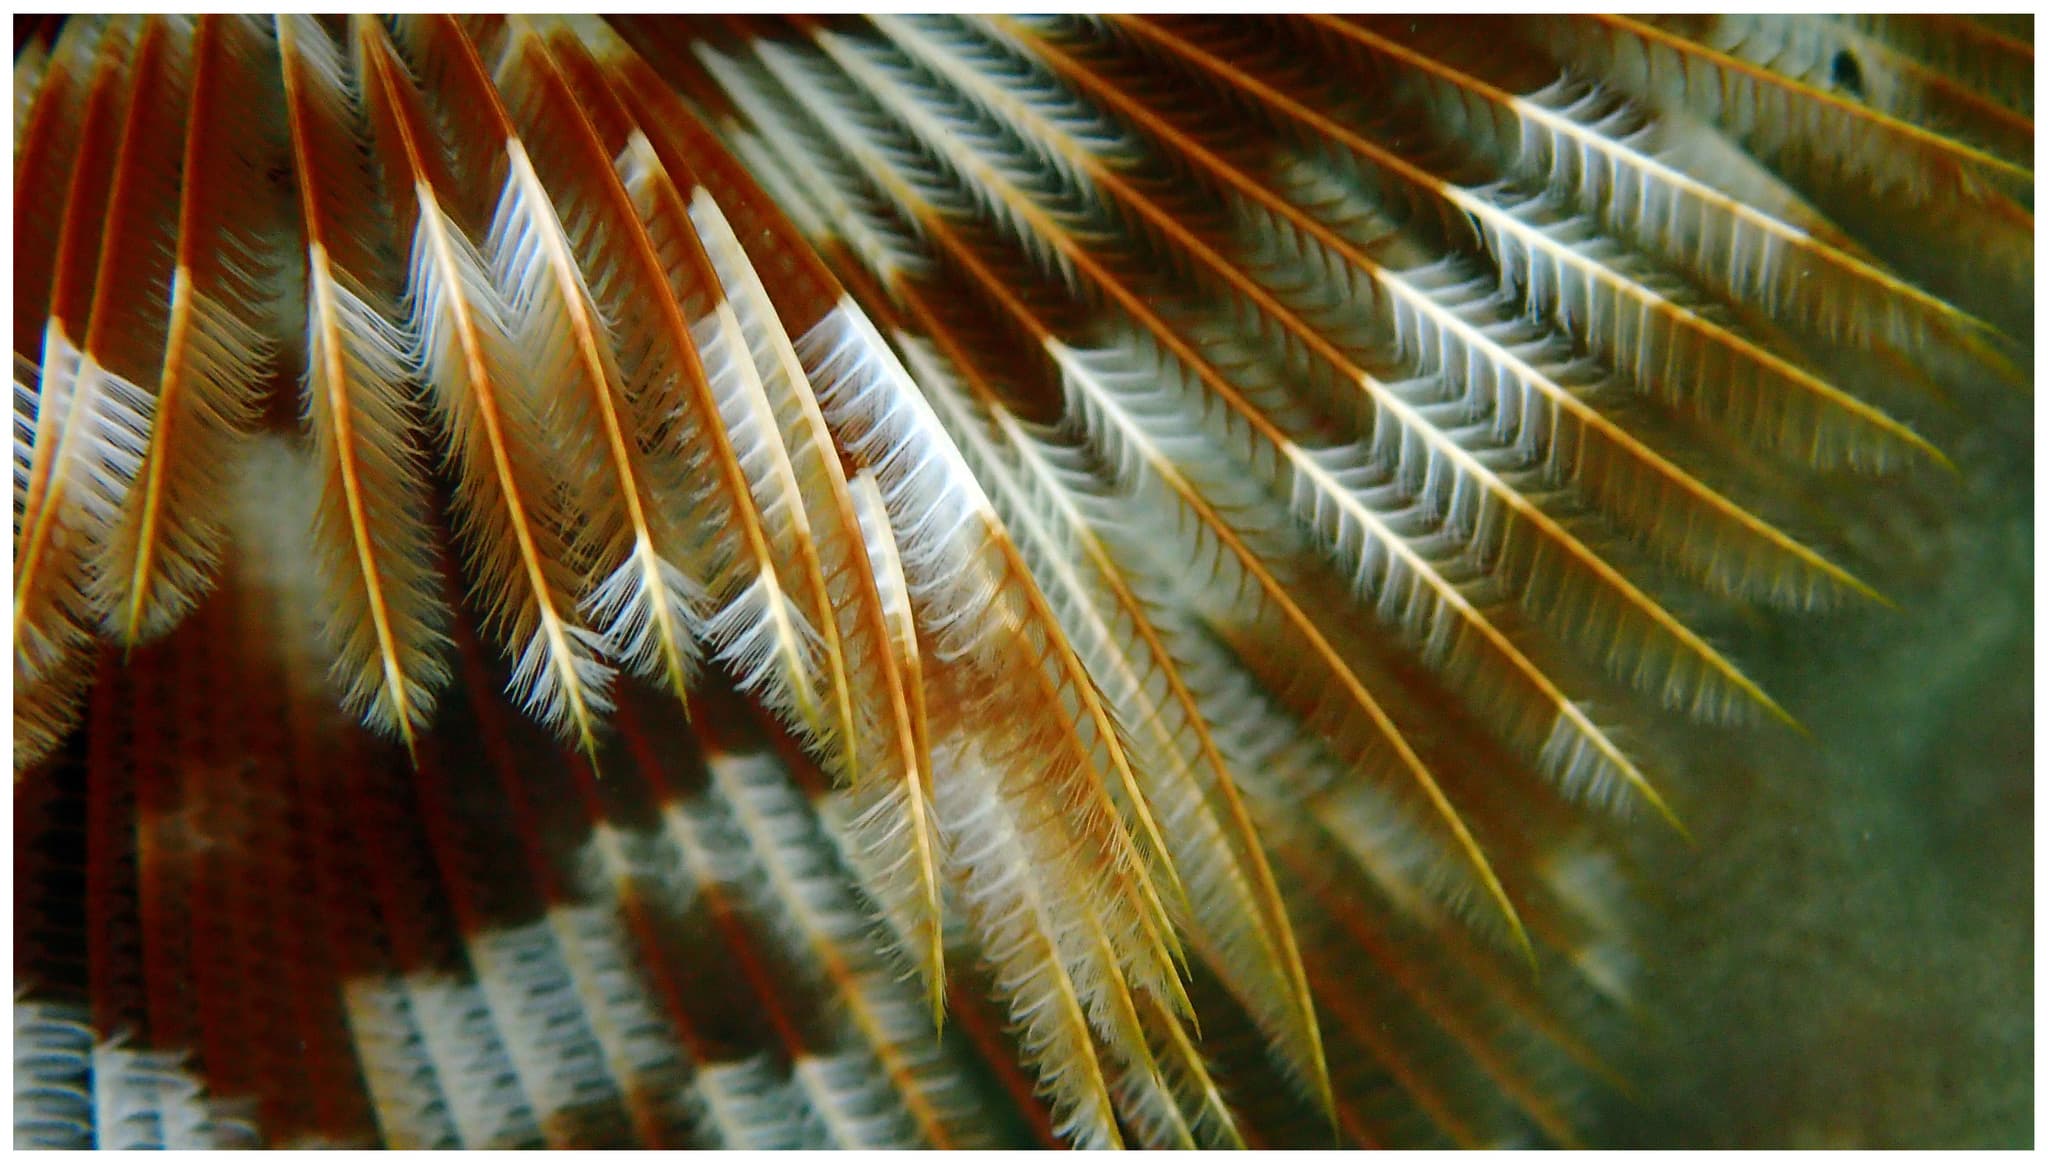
x=941 y=581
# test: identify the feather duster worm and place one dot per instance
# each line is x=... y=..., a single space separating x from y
x=934 y=581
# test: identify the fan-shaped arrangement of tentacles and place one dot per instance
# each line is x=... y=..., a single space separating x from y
x=936 y=581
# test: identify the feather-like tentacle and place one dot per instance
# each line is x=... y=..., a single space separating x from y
x=642 y=594
x=824 y=922
x=800 y=624
x=1221 y=900
x=1668 y=346
x=1421 y=324
x=1385 y=562
x=126 y=343
x=83 y=424
x=678 y=421
x=1826 y=54
x=1783 y=113
x=917 y=902
x=971 y=531
x=385 y=617
x=866 y=577
x=1432 y=328
x=1986 y=60
x=963 y=594
x=1238 y=920
x=166 y=545
x=1136 y=450
x=1007 y=903
x=979 y=609
x=878 y=742
x=87 y=54
x=1577 y=142
x=1926 y=181
x=517 y=539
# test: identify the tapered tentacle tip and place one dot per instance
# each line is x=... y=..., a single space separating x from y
x=935 y=995
x=1941 y=460
x=1678 y=826
x=1326 y=1103
x=410 y=740
x=1873 y=594
x=129 y=633
x=932 y=968
x=683 y=702
x=1519 y=934
x=1776 y=711
x=1668 y=814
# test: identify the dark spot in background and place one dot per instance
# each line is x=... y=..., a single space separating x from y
x=1846 y=74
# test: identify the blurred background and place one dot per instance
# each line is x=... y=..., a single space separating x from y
x=1846 y=959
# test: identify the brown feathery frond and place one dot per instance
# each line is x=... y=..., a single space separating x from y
x=87 y=54
x=85 y=425
x=1192 y=522
x=1993 y=63
x=876 y=732
x=1238 y=922
x=1418 y=321
x=384 y=620
x=1664 y=339
x=1136 y=449
x=47 y=708
x=887 y=733
x=879 y=817
x=107 y=427
x=1931 y=184
x=1579 y=143
x=976 y=604
x=1442 y=335
x=218 y=343
x=751 y=621
x=1316 y=482
x=83 y=415
x=517 y=535
x=1166 y=783
x=884 y=701
x=1781 y=113
x=907 y=488
x=998 y=780
x=1825 y=56
x=1824 y=53
x=1226 y=869
x=823 y=920
x=802 y=620
x=1219 y=547
x=909 y=886
x=932 y=378
x=1113 y=759
x=645 y=597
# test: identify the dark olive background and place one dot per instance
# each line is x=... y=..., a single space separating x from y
x=1846 y=959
